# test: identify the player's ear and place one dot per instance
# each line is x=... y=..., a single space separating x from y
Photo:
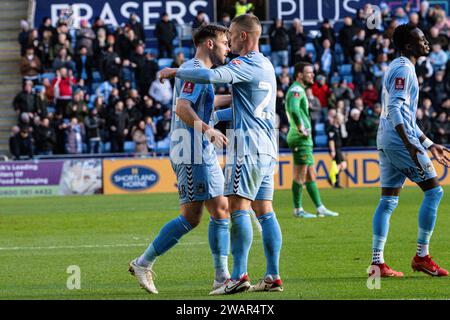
x=243 y=35
x=209 y=43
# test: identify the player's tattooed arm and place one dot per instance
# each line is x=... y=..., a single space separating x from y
x=167 y=73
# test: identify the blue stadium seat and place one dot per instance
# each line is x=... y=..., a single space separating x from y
x=96 y=76
x=153 y=51
x=185 y=50
x=345 y=69
x=278 y=70
x=321 y=140
x=348 y=78
x=338 y=49
x=320 y=128
x=164 y=62
x=310 y=47
x=49 y=75
x=265 y=49
x=106 y=147
x=130 y=146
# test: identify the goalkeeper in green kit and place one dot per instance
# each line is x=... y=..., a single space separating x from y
x=300 y=142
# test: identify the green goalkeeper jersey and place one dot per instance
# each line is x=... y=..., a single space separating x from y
x=298 y=114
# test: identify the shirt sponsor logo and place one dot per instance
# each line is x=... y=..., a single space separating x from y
x=134 y=178
x=188 y=87
x=399 y=83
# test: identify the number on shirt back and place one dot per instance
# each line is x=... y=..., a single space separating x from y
x=259 y=111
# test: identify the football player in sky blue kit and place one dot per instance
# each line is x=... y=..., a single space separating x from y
x=403 y=153
x=199 y=175
x=251 y=152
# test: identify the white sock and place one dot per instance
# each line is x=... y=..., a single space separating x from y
x=422 y=250
x=377 y=256
x=221 y=275
x=272 y=277
x=141 y=261
x=321 y=209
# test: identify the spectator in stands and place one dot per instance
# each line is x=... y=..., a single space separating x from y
x=438 y=93
x=327 y=59
x=118 y=127
x=94 y=125
x=62 y=87
x=359 y=72
x=33 y=41
x=41 y=103
x=45 y=138
x=297 y=39
x=436 y=38
x=226 y=20
x=321 y=91
x=344 y=93
x=279 y=43
x=63 y=42
x=77 y=107
x=378 y=70
x=111 y=63
x=327 y=32
x=46 y=25
x=128 y=43
x=21 y=144
x=438 y=58
x=303 y=56
x=63 y=60
x=424 y=123
x=74 y=137
x=100 y=47
x=136 y=26
x=441 y=129
x=370 y=95
x=360 y=43
x=401 y=15
x=161 y=92
x=201 y=19
x=139 y=138
x=371 y=123
x=315 y=110
x=166 y=32
x=84 y=66
x=346 y=35
x=134 y=114
x=424 y=16
x=150 y=108
x=356 y=130
x=47 y=54
x=150 y=131
x=242 y=7
x=138 y=59
x=11 y=142
x=24 y=102
x=23 y=36
x=114 y=96
x=106 y=87
x=163 y=125
x=30 y=66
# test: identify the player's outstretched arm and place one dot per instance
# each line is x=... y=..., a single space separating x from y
x=167 y=73
x=223 y=115
x=203 y=75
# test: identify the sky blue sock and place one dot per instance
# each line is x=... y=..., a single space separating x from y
x=272 y=239
x=241 y=241
x=428 y=214
x=380 y=223
x=219 y=242
x=167 y=237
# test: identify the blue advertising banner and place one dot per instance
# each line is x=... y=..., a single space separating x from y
x=116 y=12
x=310 y=12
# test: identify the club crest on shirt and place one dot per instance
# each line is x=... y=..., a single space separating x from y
x=296 y=94
x=188 y=87
x=399 y=83
x=236 y=62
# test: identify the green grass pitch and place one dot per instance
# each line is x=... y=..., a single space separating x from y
x=321 y=258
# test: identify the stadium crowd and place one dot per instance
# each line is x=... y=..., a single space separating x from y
x=94 y=88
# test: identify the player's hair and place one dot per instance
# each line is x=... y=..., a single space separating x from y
x=210 y=31
x=248 y=23
x=402 y=35
x=299 y=67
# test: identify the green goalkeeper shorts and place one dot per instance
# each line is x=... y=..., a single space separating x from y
x=303 y=156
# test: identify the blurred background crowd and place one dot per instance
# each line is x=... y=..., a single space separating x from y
x=94 y=89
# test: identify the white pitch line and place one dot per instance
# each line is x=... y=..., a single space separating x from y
x=89 y=246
